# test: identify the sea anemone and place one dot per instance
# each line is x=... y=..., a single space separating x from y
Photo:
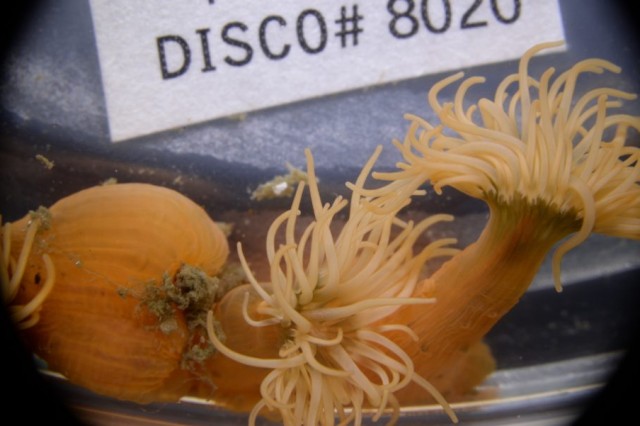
x=330 y=297
x=96 y=277
x=552 y=166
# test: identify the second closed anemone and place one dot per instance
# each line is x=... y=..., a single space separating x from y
x=330 y=295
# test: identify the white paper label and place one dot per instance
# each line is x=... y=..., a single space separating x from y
x=168 y=63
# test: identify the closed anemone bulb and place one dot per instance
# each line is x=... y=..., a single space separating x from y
x=553 y=167
x=331 y=295
x=92 y=277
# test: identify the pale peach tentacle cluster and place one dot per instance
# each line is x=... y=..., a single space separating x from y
x=539 y=141
x=331 y=293
x=12 y=271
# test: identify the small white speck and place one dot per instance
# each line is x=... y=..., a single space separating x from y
x=280 y=188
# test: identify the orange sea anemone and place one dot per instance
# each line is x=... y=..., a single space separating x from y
x=92 y=279
x=553 y=168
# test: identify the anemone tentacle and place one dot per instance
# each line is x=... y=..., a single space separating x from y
x=332 y=294
x=12 y=271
